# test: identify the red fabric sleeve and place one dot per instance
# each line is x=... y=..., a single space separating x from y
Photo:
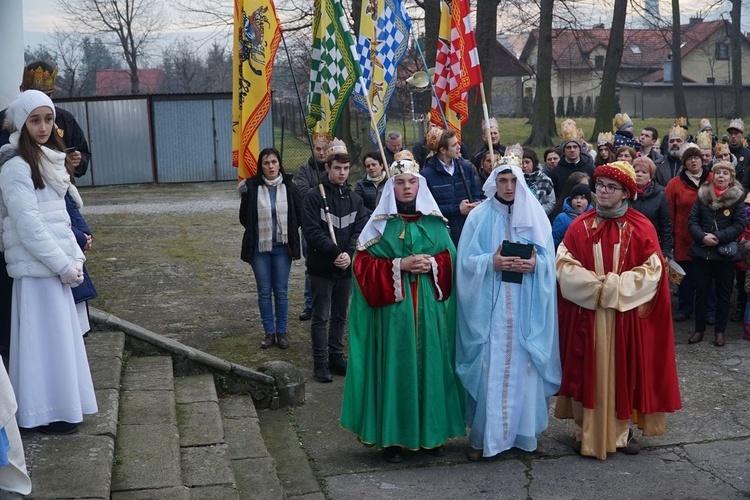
x=375 y=279
x=444 y=275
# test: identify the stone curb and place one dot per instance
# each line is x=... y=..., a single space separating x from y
x=178 y=350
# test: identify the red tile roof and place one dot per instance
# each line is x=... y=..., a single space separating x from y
x=117 y=81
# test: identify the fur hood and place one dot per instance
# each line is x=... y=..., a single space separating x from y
x=728 y=199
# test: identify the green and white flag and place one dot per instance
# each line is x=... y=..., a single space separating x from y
x=333 y=71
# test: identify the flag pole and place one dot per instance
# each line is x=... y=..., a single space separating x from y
x=432 y=86
x=327 y=210
x=373 y=123
x=488 y=138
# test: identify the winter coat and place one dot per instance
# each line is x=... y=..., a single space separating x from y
x=36 y=234
x=667 y=169
x=449 y=190
x=559 y=175
x=348 y=216
x=369 y=192
x=309 y=176
x=723 y=216
x=542 y=187
x=653 y=204
x=681 y=194
x=86 y=290
x=625 y=138
x=563 y=220
x=248 y=190
x=745 y=252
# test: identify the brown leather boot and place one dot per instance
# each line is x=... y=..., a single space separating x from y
x=695 y=337
x=720 y=340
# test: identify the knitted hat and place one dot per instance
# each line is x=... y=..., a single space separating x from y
x=725 y=165
x=620 y=171
x=737 y=124
x=20 y=109
x=581 y=190
x=690 y=151
x=705 y=124
x=621 y=121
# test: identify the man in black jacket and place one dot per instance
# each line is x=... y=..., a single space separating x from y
x=41 y=76
x=331 y=226
x=571 y=161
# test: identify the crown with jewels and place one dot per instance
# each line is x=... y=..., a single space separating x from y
x=510 y=159
x=404 y=163
x=704 y=140
x=336 y=146
x=39 y=79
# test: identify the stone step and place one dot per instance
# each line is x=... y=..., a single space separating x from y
x=80 y=465
x=147 y=447
x=206 y=466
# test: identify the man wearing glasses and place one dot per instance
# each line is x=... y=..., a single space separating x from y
x=615 y=320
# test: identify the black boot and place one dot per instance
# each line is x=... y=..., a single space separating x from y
x=338 y=364
x=322 y=372
x=268 y=341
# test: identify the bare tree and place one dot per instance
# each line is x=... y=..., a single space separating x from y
x=678 y=91
x=612 y=59
x=68 y=49
x=543 y=118
x=134 y=23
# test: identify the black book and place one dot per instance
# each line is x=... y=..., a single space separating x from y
x=515 y=249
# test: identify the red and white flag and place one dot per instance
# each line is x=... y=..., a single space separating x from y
x=456 y=65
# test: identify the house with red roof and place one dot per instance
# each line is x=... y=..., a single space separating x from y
x=117 y=81
x=578 y=58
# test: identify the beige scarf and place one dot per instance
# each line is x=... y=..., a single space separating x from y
x=265 y=223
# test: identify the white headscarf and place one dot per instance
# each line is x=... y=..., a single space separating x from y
x=386 y=210
x=528 y=216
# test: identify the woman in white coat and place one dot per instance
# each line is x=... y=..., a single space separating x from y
x=48 y=366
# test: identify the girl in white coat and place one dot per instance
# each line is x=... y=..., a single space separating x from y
x=48 y=366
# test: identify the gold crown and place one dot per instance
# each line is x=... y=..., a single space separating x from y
x=680 y=122
x=621 y=120
x=489 y=123
x=605 y=138
x=677 y=131
x=319 y=133
x=336 y=146
x=704 y=140
x=510 y=158
x=568 y=131
x=39 y=79
x=404 y=164
x=721 y=148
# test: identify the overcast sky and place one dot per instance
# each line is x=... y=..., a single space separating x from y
x=40 y=16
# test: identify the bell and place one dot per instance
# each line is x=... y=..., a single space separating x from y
x=419 y=80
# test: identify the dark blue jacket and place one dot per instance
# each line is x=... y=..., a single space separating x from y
x=449 y=190
x=86 y=290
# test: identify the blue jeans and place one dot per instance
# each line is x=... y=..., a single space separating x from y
x=271 y=271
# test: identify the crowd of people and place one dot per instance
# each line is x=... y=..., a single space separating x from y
x=481 y=285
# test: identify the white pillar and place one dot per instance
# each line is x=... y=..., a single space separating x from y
x=11 y=54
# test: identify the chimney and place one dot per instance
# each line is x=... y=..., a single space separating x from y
x=668 y=69
x=695 y=20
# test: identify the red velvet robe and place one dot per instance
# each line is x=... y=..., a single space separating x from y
x=646 y=372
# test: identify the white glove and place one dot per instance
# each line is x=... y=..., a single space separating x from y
x=73 y=275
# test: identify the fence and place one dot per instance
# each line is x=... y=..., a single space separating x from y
x=159 y=138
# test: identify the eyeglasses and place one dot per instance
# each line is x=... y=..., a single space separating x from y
x=607 y=188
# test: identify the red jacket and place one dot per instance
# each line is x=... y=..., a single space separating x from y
x=681 y=193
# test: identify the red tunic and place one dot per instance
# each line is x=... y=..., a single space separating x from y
x=645 y=368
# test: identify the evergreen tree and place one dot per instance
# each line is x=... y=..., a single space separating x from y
x=560 y=107
x=570 y=109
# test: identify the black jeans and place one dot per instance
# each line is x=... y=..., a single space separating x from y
x=330 y=309
x=721 y=274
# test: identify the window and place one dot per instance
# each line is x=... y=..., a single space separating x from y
x=599 y=62
x=722 y=51
x=635 y=49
